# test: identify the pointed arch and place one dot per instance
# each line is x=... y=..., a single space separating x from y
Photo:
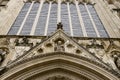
x=57 y=63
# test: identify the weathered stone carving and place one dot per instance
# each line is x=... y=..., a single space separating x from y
x=59 y=25
x=24 y=42
x=1 y=58
x=116 y=57
x=3 y=52
x=112 y=46
x=2 y=70
x=59 y=45
x=16 y=41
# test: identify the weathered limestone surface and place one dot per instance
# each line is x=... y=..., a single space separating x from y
x=8 y=15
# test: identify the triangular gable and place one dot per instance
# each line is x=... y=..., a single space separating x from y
x=58 y=42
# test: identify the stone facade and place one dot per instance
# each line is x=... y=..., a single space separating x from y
x=108 y=13
x=19 y=50
x=59 y=56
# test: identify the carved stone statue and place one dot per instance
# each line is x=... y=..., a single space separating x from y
x=1 y=58
x=59 y=25
x=95 y=45
x=59 y=46
x=16 y=41
x=2 y=70
x=25 y=40
x=117 y=61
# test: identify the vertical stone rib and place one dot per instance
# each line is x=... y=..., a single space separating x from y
x=48 y=16
x=94 y=26
x=80 y=19
x=59 y=11
x=70 y=22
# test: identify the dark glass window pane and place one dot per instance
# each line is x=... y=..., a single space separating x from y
x=97 y=22
x=30 y=20
x=77 y=31
x=53 y=19
x=15 y=27
x=40 y=28
x=65 y=19
x=87 y=22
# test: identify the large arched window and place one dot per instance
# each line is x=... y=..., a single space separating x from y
x=79 y=20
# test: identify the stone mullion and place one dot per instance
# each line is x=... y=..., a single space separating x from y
x=94 y=26
x=69 y=16
x=48 y=16
x=59 y=11
x=80 y=19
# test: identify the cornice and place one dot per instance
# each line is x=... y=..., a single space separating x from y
x=31 y=36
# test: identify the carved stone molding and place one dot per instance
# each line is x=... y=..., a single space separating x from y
x=58 y=78
x=62 y=60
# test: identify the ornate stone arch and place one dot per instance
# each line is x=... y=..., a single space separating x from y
x=56 y=64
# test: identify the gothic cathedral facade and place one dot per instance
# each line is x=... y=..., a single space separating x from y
x=59 y=39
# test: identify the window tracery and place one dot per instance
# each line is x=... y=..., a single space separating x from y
x=68 y=14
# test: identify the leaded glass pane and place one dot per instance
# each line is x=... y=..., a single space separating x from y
x=30 y=19
x=15 y=27
x=65 y=19
x=76 y=27
x=53 y=19
x=40 y=28
x=87 y=21
x=97 y=21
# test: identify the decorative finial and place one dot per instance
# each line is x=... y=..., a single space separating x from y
x=60 y=26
